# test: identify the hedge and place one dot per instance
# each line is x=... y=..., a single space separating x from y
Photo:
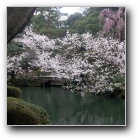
x=20 y=112
x=13 y=92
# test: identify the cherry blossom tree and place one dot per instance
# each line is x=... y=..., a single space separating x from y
x=114 y=21
x=92 y=64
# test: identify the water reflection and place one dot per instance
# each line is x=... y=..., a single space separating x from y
x=66 y=108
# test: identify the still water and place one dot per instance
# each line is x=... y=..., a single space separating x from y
x=66 y=108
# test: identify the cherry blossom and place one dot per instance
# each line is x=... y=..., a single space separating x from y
x=93 y=62
x=114 y=20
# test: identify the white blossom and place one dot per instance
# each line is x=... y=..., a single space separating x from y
x=99 y=58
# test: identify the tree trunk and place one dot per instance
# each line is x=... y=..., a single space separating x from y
x=17 y=19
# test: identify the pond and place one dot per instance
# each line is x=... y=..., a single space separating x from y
x=75 y=108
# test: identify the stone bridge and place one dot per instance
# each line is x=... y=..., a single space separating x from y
x=50 y=80
x=34 y=80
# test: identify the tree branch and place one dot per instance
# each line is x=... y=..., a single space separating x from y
x=17 y=19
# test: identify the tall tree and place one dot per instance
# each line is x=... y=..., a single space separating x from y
x=73 y=18
x=45 y=18
x=86 y=22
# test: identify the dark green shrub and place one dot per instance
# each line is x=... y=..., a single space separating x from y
x=122 y=95
x=28 y=82
x=21 y=116
x=13 y=92
x=117 y=93
x=20 y=112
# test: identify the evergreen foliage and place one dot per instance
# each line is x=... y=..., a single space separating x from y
x=20 y=112
x=13 y=92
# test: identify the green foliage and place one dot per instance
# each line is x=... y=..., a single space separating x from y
x=45 y=20
x=13 y=49
x=80 y=27
x=88 y=22
x=119 y=79
x=25 y=81
x=13 y=92
x=25 y=63
x=38 y=22
x=55 y=32
x=20 y=112
x=73 y=18
x=117 y=93
x=91 y=60
x=121 y=95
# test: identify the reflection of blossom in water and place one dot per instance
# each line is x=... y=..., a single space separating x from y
x=82 y=94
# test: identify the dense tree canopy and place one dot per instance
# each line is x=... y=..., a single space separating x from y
x=78 y=50
x=97 y=64
x=47 y=21
x=45 y=18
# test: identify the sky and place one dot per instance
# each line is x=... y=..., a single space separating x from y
x=70 y=10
